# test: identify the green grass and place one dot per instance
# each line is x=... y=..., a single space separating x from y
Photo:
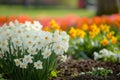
x=42 y=11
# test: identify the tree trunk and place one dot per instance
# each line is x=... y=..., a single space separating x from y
x=107 y=7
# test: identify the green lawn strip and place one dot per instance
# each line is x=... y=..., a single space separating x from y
x=43 y=11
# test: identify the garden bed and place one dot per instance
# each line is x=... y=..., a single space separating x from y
x=72 y=68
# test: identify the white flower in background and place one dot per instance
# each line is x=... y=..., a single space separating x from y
x=32 y=51
x=100 y=68
x=117 y=56
x=96 y=56
x=38 y=65
x=81 y=40
x=103 y=51
x=28 y=59
x=63 y=58
x=17 y=62
x=106 y=53
x=23 y=65
x=46 y=53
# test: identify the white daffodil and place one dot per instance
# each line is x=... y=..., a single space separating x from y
x=29 y=43
x=19 y=31
x=46 y=53
x=28 y=59
x=17 y=62
x=97 y=56
x=23 y=65
x=4 y=45
x=64 y=36
x=56 y=36
x=39 y=44
x=17 y=42
x=38 y=65
x=37 y=26
x=32 y=51
x=47 y=37
x=58 y=48
x=8 y=34
x=27 y=26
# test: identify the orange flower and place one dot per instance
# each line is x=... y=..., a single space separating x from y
x=104 y=42
x=93 y=27
x=104 y=28
x=80 y=33
x=46 y=29
x=91 y=34
x=72 y=32
x=84 y=27
x=114 y=40
x=110 y=34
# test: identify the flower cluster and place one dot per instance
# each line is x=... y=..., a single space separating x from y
x=90 y=38
x=98 y=71
x=107 y=55
x=68 y=21
x=28 y=45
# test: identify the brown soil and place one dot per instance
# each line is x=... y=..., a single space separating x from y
x=71 y=69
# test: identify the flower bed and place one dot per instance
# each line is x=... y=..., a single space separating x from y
x=30 y=49
x=67 y=21
x=73 y=70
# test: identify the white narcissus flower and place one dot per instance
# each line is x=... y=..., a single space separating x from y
x=97 y=56
x=19 y=31
x=4 y=45
x=23 y=65
x=39 y=43
x=46 y=53
x=32 y=51
x=29 y=43
x=64 y=36
x=56 y=36
x=17 y=62
x=38 y=65
x=17 y=42
x=8 y=34
x=47 y=37
x=28 y=59
x=58 y=48
x=37 y=26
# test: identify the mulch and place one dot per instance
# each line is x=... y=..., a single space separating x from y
x=70 y=70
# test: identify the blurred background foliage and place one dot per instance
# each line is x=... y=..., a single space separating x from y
x=58 y=8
